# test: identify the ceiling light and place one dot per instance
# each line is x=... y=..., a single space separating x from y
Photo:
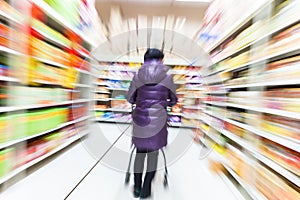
x=197 y=1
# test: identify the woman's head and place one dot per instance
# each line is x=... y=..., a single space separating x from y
x=153 y=54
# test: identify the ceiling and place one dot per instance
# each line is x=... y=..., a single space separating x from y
x=191 y=10
x=159 y=2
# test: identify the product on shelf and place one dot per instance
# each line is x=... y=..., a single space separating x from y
x=6 y=161
x=120 y=104
x=193 y=113
x=39 y=121
x=71 y=14
x=273 y=187
x=282 y=126
x=101 y=106
x=21 y=95
x=4 y=35
x=43 y=50
x=118 y=84
x=283 y=99
x=3 y=95
x=102 y=89
x=101 y=82
x=282 y=155
x=235 y=129
x=236 y=162
x=101 y=96
x=243 y=98
x=77 y=111
x=176 y=108
x=9 y=10
x=39 y=26
x=174 y=119
x=43 y=145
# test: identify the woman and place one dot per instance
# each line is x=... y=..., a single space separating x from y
x=152 y=90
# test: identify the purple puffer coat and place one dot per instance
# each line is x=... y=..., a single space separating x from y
x=152 y=90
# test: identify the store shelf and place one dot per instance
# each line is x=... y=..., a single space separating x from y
x=291 y=50
x=194 y=107
x=118 y=89
x=180 y=125
x=9 y=79
x=194 y=89
x=61 y=20
x=175 y=114
x=287 y=142
x=239 y=23
x=36 y=106
x=216 y=103
x=113 y=110
x=181 y=92
x=180 y=82
x=84 y=72
x=191 y=97
x=103 y=92
x=257 y=109
x=214 y=138
x=13 y=142
x=267 y=110
x=194 y=81
x=113 y=120
x=84 y=54
x=184 y=72
x=101 y=84
x=11 y=51
x=279 y=169
x=46 y=61
x=82 y=85
x=192 y=117
x=276 y=167
x=115 y=78
x=37 y=160
x=213 y=72
x=46 y=82
x=232 y=187
x=109 y=99
x=281 y=27
x=216 y=92
x=51 y=39
x=269 y=83
x=254 y=194
x=5 y=16
x=117 y=68
x=103 y=99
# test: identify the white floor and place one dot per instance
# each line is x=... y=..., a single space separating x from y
x=189 y=175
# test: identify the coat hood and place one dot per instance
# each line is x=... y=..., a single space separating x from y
x=152 y=72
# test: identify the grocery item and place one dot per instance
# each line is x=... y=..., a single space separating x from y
x=6 y=161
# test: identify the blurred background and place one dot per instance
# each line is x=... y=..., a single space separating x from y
x=66 y=66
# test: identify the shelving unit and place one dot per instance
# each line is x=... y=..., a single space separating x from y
x=108 y=90
x=46 y=85
x=35 y=161
x=256 y=68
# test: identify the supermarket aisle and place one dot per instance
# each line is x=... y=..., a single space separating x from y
x=189 y=177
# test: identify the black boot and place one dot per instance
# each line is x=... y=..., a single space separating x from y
x=136 y=192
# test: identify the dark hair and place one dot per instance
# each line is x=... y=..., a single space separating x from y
x=153 y=54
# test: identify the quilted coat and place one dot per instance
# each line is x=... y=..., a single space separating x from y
x=152 y=90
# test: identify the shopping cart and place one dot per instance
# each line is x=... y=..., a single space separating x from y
x=127 y=178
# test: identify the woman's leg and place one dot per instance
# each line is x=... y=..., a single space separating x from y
x=152 y=159
x=138 y=168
